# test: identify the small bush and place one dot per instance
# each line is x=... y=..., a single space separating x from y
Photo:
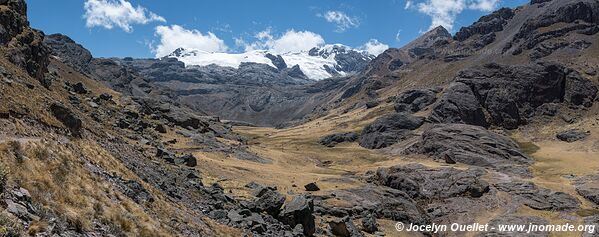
x=9 y=227
x=17 y=150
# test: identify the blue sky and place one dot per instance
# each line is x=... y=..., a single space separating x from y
x=120 y=28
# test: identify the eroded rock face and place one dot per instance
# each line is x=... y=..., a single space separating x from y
x=472 y=145
x=389 y=129
x=510 y=94
x=516 y=220
x=588 y=187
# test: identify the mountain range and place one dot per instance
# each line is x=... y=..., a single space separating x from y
x=497 y=123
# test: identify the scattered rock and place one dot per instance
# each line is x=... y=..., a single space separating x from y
x=572 y=135
x=389 y=129
x=311 y=187
x=160 y=128
x=269 y=201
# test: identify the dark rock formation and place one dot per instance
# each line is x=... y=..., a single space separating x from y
x=572 y=135
x=527 y=221
x=414 y=100
x=389 y=129
x=588 y=187
x=369 y=224
x=278 y=61
x=472 y=145
x=24 y=45
x=458 y=104
x=334 y=139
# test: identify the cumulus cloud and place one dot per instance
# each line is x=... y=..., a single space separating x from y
x=341 y=20
x=290 y=41
x=175 y=36
x=444 y=12
x=374 y=47
x=121 y=14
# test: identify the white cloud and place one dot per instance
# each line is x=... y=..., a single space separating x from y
x=484 y=5
x=374 y=47
x=398 y=36
x=341 y=20
x=444 y=12
x=408 y=4
x=111 y=13
x=290 y=41
x=174 y=37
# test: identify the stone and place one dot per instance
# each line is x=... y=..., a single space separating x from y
x=269 y=201
x=160 y=128
x=311 y=187
x=538 y=198
x=79 y=88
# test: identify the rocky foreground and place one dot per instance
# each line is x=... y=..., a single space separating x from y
x=438 y=132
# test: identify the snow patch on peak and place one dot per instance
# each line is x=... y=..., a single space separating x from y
x=317 y=64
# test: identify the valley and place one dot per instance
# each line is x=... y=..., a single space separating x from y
x=497 y=123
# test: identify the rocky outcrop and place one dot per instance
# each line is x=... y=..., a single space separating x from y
x=334 y=139
x=486 y=26
x=510 y=94
x=472 y=145
x=24 y=45
x=388 y=130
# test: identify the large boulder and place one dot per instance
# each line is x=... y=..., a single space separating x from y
x=472 y=145
x=389 y=129
x=458 y=104
x=269 y=201
x=299 y=211
x=421 y=182
x=572 y=135
x=66 y=117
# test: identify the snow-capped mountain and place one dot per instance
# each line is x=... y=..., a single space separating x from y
x=317 y=64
